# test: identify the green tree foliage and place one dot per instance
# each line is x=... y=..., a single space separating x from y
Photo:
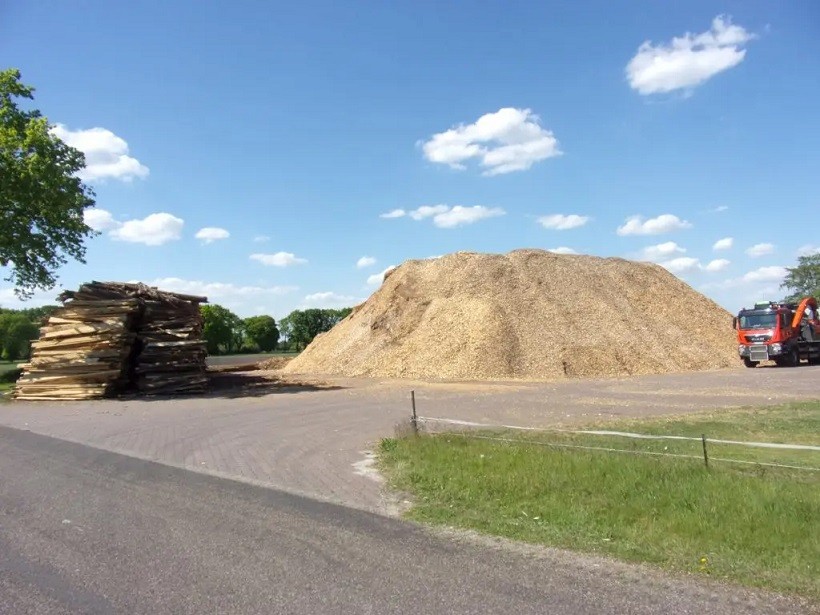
x=222 y=329
x=261 y=331
x=804 y=279
x=16 y=334
x=301 y=326
x=41 y=199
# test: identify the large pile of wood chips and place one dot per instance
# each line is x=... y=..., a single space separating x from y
x=530 y=315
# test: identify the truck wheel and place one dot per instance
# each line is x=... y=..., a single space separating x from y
x=748 y=362
x=814 y=360
x=793 y=358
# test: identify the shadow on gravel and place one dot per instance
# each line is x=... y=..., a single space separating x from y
x=233 y=384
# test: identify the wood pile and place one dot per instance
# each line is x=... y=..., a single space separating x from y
x=110 y=338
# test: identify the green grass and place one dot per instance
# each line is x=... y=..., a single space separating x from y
x=746 y=523
x=7 y=366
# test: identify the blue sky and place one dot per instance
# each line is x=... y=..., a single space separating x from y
x=649 y=131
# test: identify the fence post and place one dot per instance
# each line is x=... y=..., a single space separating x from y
x=415 y=420
x=705 y=454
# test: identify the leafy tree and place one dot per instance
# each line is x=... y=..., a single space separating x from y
x=301 y=326
x=262 y=331
x=41 y=199
x=16 y=333
x=222 y=329
x=804 y=279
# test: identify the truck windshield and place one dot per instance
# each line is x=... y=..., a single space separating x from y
x=758 y=321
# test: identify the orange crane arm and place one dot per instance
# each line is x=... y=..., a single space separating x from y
x=798 y=314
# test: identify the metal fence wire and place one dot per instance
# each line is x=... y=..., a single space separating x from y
x=469 y=429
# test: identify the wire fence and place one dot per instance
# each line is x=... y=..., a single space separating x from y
x=470 y=429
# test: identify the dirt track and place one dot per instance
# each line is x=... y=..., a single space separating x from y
x=313 y=441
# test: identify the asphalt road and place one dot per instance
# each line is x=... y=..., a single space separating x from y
x=88 y=531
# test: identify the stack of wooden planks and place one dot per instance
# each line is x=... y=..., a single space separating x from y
x=111 y=338
x=171 y=358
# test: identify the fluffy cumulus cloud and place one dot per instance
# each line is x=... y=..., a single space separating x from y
x=760 y=249
x=365 y=261
x=261 y=239
x=209 y=234
x=688 y=60
x=461 y=215
x=378 y=278
x=681 y=264
x=99 y=219
x=662 y=251
x=724 y=244
x=393 y=213
x=561 y=222
x=766 y=274
x=665 y=223
x=330 y=300
x=106 y=154
x=153 y=230
x=502 y=142
x=428 y=211
x=444 y=216
x=562 y=250
x=279 y=259
x=218 y=292
x=719 y=264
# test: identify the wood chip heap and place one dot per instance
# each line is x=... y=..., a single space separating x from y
x=110 y=338
x=526 y=315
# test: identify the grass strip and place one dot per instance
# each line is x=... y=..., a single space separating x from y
x=750 y=524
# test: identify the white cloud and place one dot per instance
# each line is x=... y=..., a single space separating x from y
x=280 y=259
x=99 y=219
x=460 y=215
x=153 y=230
x=682 y=264
x=219 y=291
x=365 y=261
x=665 y=223
x=760 y=249
x=39 y=298
x=444 y=216
x=428 y=211
x=561 y=222
x=394 y=213
x=720 y=208
x=330 y=300
x=808 y=250
x=766 y=274
x=689 y=60
x=723 y=244
x=562 y=250
x=505 y=141
x=662 y=251
x=719 y=264
x=261 y=239
x=378 y=278
x=106 y=154
x=209 y=234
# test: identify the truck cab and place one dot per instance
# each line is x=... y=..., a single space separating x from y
x=778 y=331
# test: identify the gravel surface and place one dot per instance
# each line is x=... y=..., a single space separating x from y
x=314 y=440
x=87 y=531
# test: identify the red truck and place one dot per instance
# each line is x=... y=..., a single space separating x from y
x=779 y=331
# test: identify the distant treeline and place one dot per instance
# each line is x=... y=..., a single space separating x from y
x=18 y=328
x=227 y=333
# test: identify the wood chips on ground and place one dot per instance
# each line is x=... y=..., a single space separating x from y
x=528 y=314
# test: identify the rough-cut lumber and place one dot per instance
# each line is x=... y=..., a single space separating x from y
x=112 y=337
